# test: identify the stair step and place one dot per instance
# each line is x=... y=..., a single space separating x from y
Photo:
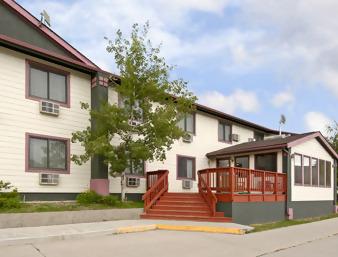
x=160 y=206
x=170 y=202
x=182 y=194
x=179 y=212
x=182 y=198
x=180 y=217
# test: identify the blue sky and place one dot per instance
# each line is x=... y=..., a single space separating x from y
x=251 y=58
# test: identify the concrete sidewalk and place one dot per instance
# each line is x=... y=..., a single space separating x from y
x=26 y=235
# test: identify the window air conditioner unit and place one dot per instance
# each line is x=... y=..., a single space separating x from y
x=188 y=138
x=133 y=182
x=187 y=184
x=251 y=139
x=49 y=179
x=235 y=137
x=49 y=108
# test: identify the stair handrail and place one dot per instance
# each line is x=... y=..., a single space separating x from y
x=207 y=194
x=156 y=191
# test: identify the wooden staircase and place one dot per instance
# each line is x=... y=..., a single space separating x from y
x=183 y=206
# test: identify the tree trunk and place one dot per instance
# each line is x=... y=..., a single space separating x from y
x=123 y=186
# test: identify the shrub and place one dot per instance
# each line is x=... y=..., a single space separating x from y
x=109 y=200
x=10 y=203
x=9 y=199
x=88 y=197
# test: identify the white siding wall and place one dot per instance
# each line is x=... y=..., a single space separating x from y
x=205 y=140
x=306 y=193
x=19 y=115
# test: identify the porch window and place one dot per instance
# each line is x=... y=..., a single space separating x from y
x=47 y=154
x=135 y=168
x=47 y=83
x=242 y=162
x=187 y=124
x=298 y=169
x=307 y=171
x=223 y=163
x=266 y=162
x=322 y=173
x=186 y=167
x=328 y=174
x=224 y=132
x=314 y=171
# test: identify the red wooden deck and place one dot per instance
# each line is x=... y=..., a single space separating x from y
x=245 y=185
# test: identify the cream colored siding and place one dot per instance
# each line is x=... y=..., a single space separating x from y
x=19 y=115
x=205 y=140
x=307 y=193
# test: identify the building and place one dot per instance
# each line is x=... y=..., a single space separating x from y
x=43 y=80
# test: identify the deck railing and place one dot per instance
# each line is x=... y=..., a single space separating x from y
x=157 y=185
x=207 y=194
x=234 y=180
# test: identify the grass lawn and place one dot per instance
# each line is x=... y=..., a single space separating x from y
x=287 y=223
x=67 y=206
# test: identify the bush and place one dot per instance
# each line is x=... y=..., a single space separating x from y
x=9 y=199
x=88 y=197
x=10 y=203
x=109 y=200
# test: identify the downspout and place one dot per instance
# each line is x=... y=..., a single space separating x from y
x=289 y=188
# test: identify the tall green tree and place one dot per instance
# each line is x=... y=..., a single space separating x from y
x=143 y=125
x=333 y=135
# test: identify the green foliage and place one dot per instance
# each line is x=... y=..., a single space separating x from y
x=9 y=199
x=148 y=95
x=88 y=197
x=333 y=135
x=109 y=200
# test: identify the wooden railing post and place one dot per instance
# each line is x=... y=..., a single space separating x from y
x=263 y=185
x=249 y=184
x=232 y=183
x=275 y=186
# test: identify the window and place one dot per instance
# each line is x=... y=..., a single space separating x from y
x=47 y=154
x=224 y=132
x=47 y=83
x=258 y=136
x=314 y=171
x=223 y=163
x=242 y=162
x=186 y=167
x=328 y=174
x=266 y=162
x=321 y=173
x=298 y=169
x=136 y=112
x=136 y=168
x=307 y=170
x=188 y=123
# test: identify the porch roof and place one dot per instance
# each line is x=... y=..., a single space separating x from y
x=272 y=144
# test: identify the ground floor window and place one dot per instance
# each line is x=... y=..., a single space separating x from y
x=266 y=162
x=186 y=167
x=298 y=169
x=242 y=162
x=46 y=153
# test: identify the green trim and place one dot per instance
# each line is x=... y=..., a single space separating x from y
x=306 y=209
x=28 y=197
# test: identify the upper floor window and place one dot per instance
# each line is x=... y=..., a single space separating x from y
x=48 y=83
x=135 y=168
x=47 y=154
x=186 y=167
x=188 y=123
x=258 y=136
x=224 y=132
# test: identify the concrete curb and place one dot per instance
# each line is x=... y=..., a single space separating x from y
x=64 y=235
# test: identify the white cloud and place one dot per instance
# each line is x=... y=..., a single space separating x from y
x=239 y=100
x=317 y=121
x=283 y=98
